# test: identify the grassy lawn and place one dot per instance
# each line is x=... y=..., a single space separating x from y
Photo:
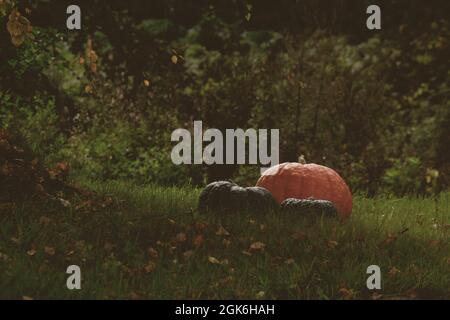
x=149 y=243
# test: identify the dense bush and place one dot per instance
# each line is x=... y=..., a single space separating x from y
x=375 y=108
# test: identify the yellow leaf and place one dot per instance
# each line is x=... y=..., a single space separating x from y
x=213 y=260
x=174 y=59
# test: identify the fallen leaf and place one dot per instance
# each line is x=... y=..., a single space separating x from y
x=376 y=296
x=222 y=232
x=181 y=237
x=200 y=225
x=134 y=296
x=50 y=251
x=152 y=253
x=393 y=271
x=289 y=261
x=3 y=257
x=213 y=260
x=44 y=220
x=174 y=59
x=198 y=240
x=188 y=254
x=300 y=236
x=260 y=295
x=257 y=246
x=31 y=252
x=150 y=267
x=332 y=244
x=247 y=253
x=346 y=293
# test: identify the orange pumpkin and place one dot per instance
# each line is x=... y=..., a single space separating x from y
x=303 y=181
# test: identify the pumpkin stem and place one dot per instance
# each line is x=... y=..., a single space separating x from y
x=301 y=159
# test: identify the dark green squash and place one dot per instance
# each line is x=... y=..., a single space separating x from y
x=227 y=196
x=309 y=207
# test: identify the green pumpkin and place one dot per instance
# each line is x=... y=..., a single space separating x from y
x=227 y=196
x=309 y=206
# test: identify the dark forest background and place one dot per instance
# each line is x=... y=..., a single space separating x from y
x=374 y=105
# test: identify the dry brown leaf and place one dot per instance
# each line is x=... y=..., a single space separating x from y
x=188 y=254
x=200 y=225
x=346 y=293
x=393 y=271
x=257 y=246
x=289 y=261
x=50 y=251
x=300 y=236
x=181 y=237
x=332 y=244
x=222 y=232
x=44 y=220
x=150 y=267
x=377 y=296
x=4 y=257
x=152 y=253
x=198 y=240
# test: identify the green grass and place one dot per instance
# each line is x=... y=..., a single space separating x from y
x=149 y=243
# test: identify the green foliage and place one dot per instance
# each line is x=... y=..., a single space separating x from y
x=108 y=100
